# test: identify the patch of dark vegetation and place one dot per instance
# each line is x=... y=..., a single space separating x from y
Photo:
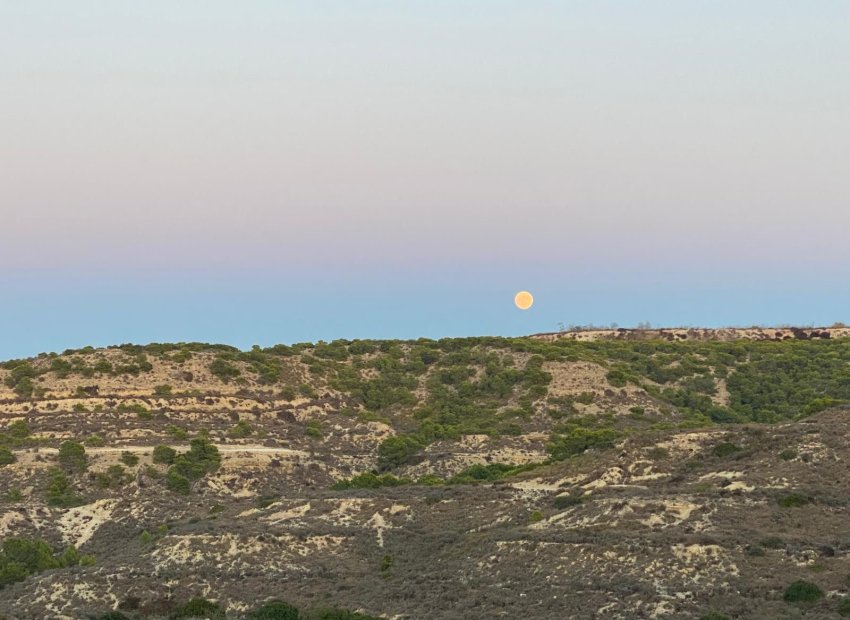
x=803 y=592
x=22 y=557
x=189 y=467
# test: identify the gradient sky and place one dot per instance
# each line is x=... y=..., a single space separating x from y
x=267 y=171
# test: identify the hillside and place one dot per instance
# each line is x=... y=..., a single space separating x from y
x=635 y=474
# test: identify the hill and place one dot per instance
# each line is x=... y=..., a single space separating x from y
x=624 y=475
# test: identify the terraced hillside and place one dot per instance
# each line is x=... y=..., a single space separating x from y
x=621 y=477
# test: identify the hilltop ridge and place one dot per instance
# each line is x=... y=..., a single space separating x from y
x=700 y=334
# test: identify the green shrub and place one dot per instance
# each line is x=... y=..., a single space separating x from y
x=178 y=432
x=725 y=449
x=275 y=610
x=224 y=370
x=129 y=459
x=577 y=440
x=773 y=542
x=22 y=557
x=844 y=607
x=201 y=459
x=6 y=457
x=177 y=483
x=164 y=454
x=162 y=390
x=72 y=456
x=94 y=441
x=487 y=473
x=315 y=429
x=14 y=495
x=241 y=429
x=788 y=455
x=114 y=477
x=200 y=608
x=793 y=500
x=21 y=378
x=567 y=501
x=397 y=451
x=60 y=492
x=368 y=480
x=802 y=592
x=714 y=616
x=18 y=429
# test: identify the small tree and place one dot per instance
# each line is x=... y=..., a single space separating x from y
x=6 y=457
x=802 y=592
x=397 y=451
x=72 y=456
x=164 y=454
x=275 y=610
x=178 y=483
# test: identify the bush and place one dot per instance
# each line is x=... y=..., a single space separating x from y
x=788 y=455
x=578 y=440
x=114 y=477
x=844 y=606
x=14 y=495
x=397 y=451
x=566 y=501
x=241 y=429
x=72 y=456
x=315 y=429
x=164 y=454
x=94 y=441
x=802 y=592
x=6 y=457
x=487 y=473
x=129 y=459
x=22 y=557
x=162 y=390
x=201 y=459
x=773 y=542
x=224 y=370
x=275 y=610
x=60 y=493
x=793 y=500
x=368 y=480
x=18 y=429
x=177 y=483
x=725 y=449
x=200 y=608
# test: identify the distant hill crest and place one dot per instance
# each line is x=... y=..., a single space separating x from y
x=701 y=334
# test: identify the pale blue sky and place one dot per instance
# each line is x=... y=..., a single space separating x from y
x=283 y=171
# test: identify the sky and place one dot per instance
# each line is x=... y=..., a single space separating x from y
x=266 y=171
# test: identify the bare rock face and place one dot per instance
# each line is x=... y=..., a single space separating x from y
x=545 y=477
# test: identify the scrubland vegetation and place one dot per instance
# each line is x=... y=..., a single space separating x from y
x=549 y=434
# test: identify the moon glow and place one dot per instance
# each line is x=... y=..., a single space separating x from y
x=523 y=300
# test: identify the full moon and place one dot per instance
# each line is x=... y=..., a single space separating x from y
x=523 y=300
